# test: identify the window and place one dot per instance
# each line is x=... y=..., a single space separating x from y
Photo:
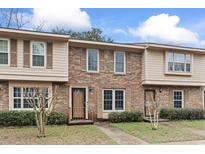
x=4 y=52
x=38 y=54
x=17 y=97
x=119 y=62
x=179 y=62
x=108 y=100
x=178 y=98
x=92 y=60
x=119 y=99
x=113 y=100
x=20 y=97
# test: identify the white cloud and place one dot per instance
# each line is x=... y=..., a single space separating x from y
x=68 y=18
x=202 y=43
x=120 y=31
x=164 y=28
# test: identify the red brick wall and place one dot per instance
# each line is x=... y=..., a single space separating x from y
x=192 y=95
x=4 y=95
x=131 y=82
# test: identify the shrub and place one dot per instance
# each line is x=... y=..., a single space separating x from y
x=17 y=118
x=182 y=114
x=27 y=118
x=116 y=117
x=57 y=118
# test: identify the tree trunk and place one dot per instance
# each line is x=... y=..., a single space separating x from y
x=40 y=124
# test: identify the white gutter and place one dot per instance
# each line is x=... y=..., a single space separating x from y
x=106 y=43
x=34 y=33
x=172 y=47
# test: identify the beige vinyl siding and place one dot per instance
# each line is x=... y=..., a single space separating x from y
x=26 y=53
x=20 y=56
x=59 y=71
x=155 y=70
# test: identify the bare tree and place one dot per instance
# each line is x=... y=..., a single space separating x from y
x=39 y=27
x=17 y=18
x=154 y=108
x=42 y=105
x=6 y=17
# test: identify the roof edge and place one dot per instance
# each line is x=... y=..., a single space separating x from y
x=106 y=43
x=30 y=32
x=170 y=46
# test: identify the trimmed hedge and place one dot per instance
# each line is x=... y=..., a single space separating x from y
x=116 y=117
x=182 y=114
x=27 y=118
x=17 y=118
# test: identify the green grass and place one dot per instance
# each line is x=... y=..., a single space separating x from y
x=162 y=135
x=86 y=134
x=196 y=124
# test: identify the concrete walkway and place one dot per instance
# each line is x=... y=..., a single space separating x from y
x=119 y=136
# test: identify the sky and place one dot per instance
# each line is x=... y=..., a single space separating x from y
x=173 y=26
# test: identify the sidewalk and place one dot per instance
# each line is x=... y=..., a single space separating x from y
x=119 y=136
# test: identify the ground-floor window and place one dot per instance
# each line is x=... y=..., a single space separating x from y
x=178 y=98
x=113 y=99
x=20 y=97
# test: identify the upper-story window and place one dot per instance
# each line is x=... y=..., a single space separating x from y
x=179 y=62
x=119 y=62
x=38 y=54
x=92 y=60
x=4 y=52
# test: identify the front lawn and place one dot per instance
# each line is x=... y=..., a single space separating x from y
x=196 y=124
x=162 y=135
x=87 y=134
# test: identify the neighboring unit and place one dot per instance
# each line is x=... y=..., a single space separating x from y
x=96 y=78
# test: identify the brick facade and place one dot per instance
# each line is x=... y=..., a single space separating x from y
x=106 y=79
x=4 y=95
x=62 y=94
x=193 y=96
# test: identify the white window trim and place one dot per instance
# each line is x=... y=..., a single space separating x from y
x=177 y=72
x=9 y=48
x=98 y=63
x=182 y=97
x=24 y=109
x=113 y=100
x=31 y=54
x=115 y=52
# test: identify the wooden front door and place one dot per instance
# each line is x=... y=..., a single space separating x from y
x=78 y=103
x=149 y=97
